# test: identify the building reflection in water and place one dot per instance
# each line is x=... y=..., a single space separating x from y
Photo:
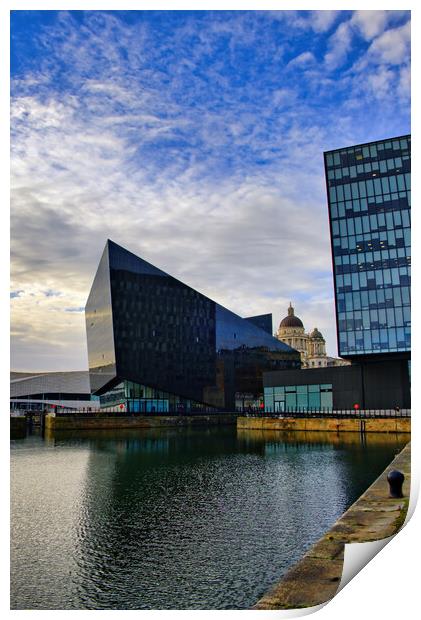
x=208 y=519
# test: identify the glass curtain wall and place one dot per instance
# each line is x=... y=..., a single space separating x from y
x=133 y=397
x=298 y=397
x=369 y=194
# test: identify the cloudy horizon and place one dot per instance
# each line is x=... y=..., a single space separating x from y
x=195 y=140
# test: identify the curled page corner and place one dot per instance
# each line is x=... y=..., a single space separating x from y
x=306 y=611
x=413 y=496
x=358 y=555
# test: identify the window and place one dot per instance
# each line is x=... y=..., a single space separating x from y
x=290 y=400
x=311 y=396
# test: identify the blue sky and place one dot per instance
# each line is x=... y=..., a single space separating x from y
x=194 y=139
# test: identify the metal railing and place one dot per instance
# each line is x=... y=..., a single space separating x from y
x=288 y=413
x=117 y=412
x=331 y=413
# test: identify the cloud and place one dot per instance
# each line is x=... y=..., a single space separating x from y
x=51 y=293
x=292 y=19
x=188 y=141
x=191 y=230
x=318 y=21
x=302 y=60
x=387 y=45
x=339 y=46
x=321 y=21
x=370 y=23
x=392 y=47
x=383 y=72
x=380 y=82
x=284 y=97
x=404 y=86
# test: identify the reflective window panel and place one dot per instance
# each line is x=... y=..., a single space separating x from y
x=298 y=397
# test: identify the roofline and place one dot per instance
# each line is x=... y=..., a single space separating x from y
x=408 y=135
x=110 y=242
x=39 y=373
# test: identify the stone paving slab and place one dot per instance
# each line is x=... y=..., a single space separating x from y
x=374 y=516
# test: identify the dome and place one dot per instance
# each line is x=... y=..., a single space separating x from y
x=291 y=320
x=316 y=334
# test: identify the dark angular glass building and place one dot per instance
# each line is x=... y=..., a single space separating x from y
x=156 y=344
x=264 y=321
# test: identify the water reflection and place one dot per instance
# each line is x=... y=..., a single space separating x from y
x=176 y=518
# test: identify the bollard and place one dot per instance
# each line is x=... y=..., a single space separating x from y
x=395 y=479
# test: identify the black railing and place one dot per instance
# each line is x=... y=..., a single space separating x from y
x=117 y=412
x=331 y=413
x=288 y=413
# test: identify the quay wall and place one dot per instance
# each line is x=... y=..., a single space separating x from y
x=315 y=579
x=103 y=423
x=367 y=425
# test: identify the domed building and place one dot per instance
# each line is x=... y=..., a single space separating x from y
x=312 y=346
x=291 y=331
x=317 y=344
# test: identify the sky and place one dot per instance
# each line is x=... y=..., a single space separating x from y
x=194 y=139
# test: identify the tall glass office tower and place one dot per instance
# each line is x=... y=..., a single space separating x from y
x=369 y=195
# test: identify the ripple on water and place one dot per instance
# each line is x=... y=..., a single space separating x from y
x=168 y=520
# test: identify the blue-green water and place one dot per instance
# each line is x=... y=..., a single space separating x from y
x=176 y=519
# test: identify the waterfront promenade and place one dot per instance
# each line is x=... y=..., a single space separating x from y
x=364 y=421
x=378 y=421
x=374 y=516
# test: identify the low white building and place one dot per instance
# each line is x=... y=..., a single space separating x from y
x=49 y=391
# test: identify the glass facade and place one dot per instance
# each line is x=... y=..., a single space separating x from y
x=155 y=331
x=164 y=331
x=264 y=321
x=369 y=195
x=99 y=328
x=298 y=397
x=135 y=398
